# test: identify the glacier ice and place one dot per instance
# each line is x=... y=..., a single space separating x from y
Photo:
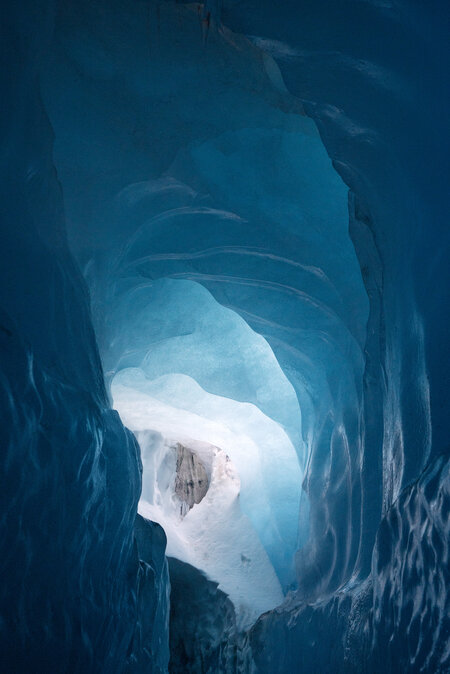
x=70 y=471
x=243 y=303
x=207 y=636
x=176 y=326
x=264 y=458
x=202 y=536
x=219 y=201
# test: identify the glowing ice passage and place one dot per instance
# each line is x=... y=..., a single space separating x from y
x=231 y=264
x=239 y=229
x=181 y=336
x=254 y=193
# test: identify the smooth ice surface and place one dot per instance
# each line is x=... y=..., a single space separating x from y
x=176 y=326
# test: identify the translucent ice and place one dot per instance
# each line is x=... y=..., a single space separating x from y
x=193 y=185
x=263 y=455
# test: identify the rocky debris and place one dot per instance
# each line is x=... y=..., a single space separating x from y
x=191 y=482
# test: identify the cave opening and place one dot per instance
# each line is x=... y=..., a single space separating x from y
x=208 y=390
x=229 y=221
x=227 y=296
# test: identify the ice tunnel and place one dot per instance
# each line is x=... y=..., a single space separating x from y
x=224 y=329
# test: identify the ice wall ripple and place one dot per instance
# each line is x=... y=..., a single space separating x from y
x=70 y=471
x=357 y=66
x=397 y=620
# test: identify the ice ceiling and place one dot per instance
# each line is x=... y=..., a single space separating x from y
x=254 y=193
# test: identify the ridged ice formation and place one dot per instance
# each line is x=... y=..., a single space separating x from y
x=256 y=193
x=74 y=590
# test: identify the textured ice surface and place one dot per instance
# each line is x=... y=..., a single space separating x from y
x=246 y=204
x=182 y=152
x=204 y=635
x=396 y=621
x=149 y=651
x=70 y=472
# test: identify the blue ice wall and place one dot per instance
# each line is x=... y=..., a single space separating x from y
x=242 y=198
x=70 y=472
x=219 y=647
x=183 y=152
x=395 y=621
x=245 y=202
x=372 y=76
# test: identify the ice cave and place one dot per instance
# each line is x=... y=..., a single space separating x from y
x=224 y=337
